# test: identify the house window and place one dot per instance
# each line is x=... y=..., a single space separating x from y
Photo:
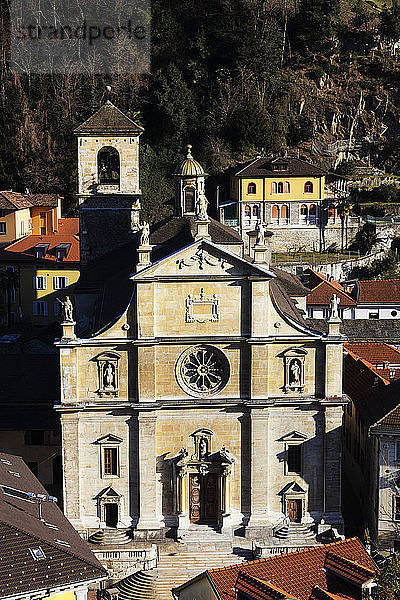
x=252 y=188
x=22 y=228
x=331 y=212
x=40 y=282
x=275 y=213
x=2 y=213
x=273 y=187
x=294 y=458
x=247 y=211
x=3 y=228
x=40 y=308
x=110 y=461
x=287 y=187
x=285 y=213
x=59 y=283
x=303 y=212
x=308 y=187
x=34 y=437
x=396 y=508
x=312 y=213
x=57 y=308
x=255 y=211
x=280 y=187
x=108 y=166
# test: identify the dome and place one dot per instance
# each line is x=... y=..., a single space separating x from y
x=189 y=167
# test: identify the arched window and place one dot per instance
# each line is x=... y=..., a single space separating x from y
x=189 y=199
x=275 y=213
x=285 y=213
x=308 y=187
x=273 y=187
x=280 y=187
x=108 y=166
x=303 y=212
x=312 y=213
x=255 y=210
x=287 y=187
x=247 y=211
x=251 y=188
x=331 y=212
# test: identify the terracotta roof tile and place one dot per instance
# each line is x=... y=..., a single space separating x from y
x=43 y=199
x=375 y=352
x=297 y=573
x=258 y=589
x=349 y=569
x=13 y=201
x=68 y=226
x=378 y=291
x=322 y=294
x=27 y=246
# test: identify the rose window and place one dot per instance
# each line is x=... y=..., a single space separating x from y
x=202 y=370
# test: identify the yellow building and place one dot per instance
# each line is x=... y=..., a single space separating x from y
x=25 y=214
x=37 y=271
x=287 y=195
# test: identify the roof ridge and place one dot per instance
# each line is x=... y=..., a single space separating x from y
x=369 y=365
x=247 y=165
x=353 y=562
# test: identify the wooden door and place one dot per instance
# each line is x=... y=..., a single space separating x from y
x=294 y=510
x=203 y=498
x=194 y=498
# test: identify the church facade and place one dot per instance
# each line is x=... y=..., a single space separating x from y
x=194 y=394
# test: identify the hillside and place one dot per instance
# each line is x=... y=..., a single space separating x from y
x=255 y=76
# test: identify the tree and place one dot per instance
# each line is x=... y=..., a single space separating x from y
x=389 y=580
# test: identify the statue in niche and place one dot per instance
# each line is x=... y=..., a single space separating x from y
x=145 y=235
x=203 y=448
x=109 y=376
x=201 y=206
x=333 y=305
x=295 y=372
x=67 y=310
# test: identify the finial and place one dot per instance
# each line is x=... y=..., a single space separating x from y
x=189 y=153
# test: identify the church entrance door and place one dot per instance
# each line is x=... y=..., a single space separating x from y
x=295 y=510
x=111 y=514
x=203 y=498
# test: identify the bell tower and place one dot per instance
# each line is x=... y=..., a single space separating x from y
x=108 y=181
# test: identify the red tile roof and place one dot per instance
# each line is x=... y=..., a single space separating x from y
x=69 y=226
x=322 y=294
x=385 y=291
x=299 y=572
x=349 y=569
x=375 y=352
x=258 y=589
x=27 y=246
x=390 y=421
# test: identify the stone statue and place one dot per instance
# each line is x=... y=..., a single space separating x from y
x=67 y=310
x=145 y=235
x=260 y=229
x=203 y=448
x=201 y=206
x=333 y=306
x=295 y=370
x=109 y=376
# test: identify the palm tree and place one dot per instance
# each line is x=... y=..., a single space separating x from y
x=9 y=282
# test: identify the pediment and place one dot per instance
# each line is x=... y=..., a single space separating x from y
x=292 y=489
x=202 y=258
x=110 y=438
x=108 y=492
x=293 y=436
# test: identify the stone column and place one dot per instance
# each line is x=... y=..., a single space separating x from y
x=148 y=502
x=259 y=471
x=225 y=499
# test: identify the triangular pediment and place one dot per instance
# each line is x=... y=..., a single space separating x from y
x=293 y=436
x=108 y=492
x=293 y=488
x=110 y=438
x=203 y=258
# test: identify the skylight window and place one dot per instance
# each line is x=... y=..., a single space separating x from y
x=37 y=553
x=17 y=493
x=62 y=543
x=15 y=473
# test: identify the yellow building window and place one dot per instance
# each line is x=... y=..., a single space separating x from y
x=308 y=187
x=252 y=188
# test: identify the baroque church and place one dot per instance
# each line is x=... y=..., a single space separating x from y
x=194 y=393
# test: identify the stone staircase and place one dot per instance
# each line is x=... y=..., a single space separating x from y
x=296 y=534
x=111 y=537
x=174 y=568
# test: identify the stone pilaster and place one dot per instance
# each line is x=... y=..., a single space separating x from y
x=259 y=471
x=332 y=464
x=70 y=449
x=149 y=517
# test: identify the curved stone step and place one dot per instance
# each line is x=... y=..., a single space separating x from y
x=112 y=537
